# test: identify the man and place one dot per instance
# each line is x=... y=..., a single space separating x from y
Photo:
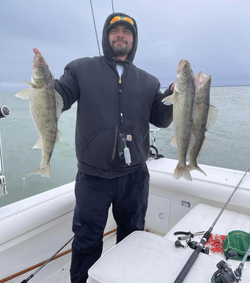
x=116 y=103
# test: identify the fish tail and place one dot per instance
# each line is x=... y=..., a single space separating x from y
x=195 y=167
x=182 y=171
x=43 y=170
x=191 y=166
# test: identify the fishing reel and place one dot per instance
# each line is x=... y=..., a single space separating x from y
x=192 y=245
x=189 y=243
x=4 y=111
x=224 y=274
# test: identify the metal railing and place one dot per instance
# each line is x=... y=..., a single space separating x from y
x=4 y=112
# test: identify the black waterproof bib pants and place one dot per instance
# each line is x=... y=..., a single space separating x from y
x=129 y=197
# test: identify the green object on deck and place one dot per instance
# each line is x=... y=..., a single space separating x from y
x=238 y=241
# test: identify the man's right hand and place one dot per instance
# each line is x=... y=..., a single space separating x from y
x=36 y=51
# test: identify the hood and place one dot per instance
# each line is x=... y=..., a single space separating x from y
x=107 y=50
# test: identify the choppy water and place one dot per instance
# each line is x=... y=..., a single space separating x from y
x=230 y=139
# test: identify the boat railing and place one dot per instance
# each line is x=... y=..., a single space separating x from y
x=153 y=149
x=153 y=135
x=4 y=112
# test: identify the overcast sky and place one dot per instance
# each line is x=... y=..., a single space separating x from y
x=214 y=35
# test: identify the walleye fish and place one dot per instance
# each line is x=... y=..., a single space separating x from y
x=46 y=107
x=204 y=118
x=182 y=100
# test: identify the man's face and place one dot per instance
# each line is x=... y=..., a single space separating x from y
x=121 y=40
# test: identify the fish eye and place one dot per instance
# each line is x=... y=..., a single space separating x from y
x=40 y=67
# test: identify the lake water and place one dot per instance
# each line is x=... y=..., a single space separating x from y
x=230 y=138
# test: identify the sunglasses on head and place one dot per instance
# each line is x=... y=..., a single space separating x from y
x=119 y=18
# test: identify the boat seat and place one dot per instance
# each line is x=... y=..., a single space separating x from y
x=202 y=217
x=149 y=258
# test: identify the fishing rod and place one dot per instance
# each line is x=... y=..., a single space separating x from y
x=41 y=267
x=238 y=271
x=53 y=256
x=199 y=247
x=225 y=274
x=113 y=6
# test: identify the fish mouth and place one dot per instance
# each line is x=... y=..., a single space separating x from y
x=184 y=72
x=38 y=60
x=183 y=66
x=202 y=79
x=40 y=67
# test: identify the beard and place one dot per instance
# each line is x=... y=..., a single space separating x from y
x=120 y=50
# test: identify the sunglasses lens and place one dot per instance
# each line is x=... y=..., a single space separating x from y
x=129 y=20
x=115 y=19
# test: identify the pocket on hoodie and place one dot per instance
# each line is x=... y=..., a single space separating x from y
x=133 y=147
x=99 y=149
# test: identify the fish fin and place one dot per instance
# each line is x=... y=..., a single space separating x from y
x=205 y=145
x=195 y=167
x=42 y=170
x=58 y=136
x=59 y=105
x=191 y=142
x=38 y=144
x=182 y=171
x=173 y=142
x=169 y=100
x=191 y=166
x=176 y=89
x=212 y=116
x=24 y=94
x=30 y=83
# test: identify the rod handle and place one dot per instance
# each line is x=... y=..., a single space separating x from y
x=182 y=275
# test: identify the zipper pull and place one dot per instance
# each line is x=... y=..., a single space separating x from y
x=120 y=80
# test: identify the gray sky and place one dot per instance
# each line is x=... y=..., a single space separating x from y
x=212 y=34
